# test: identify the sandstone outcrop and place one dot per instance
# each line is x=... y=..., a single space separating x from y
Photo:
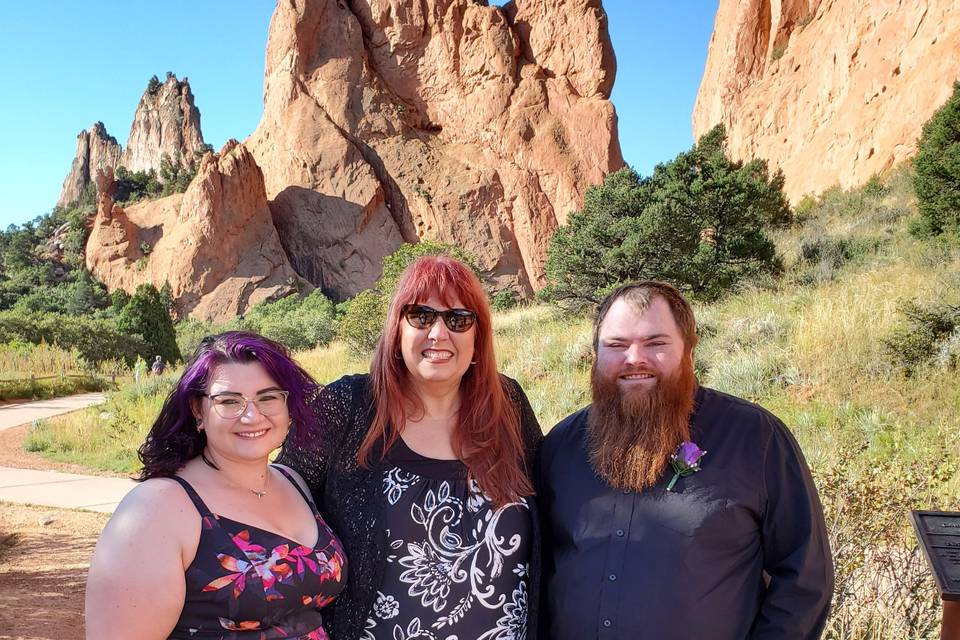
x=215 y=244
x=387 y=121
x=96 y=150
x=166 y=122
x=829 y=91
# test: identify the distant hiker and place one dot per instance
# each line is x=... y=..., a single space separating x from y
x=139 y=369
x=157 y=367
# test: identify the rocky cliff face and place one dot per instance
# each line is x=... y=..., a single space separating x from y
x=166 y=122
x=96 y=150
x=215 y=244
x=831 y=91
x=388 y=121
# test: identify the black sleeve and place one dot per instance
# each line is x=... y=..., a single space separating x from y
x=796 y=549
x=530 y=430
x=332 y=408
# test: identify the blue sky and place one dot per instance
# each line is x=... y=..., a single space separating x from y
x=66 y=65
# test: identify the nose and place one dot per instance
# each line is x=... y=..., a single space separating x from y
x=635 y=355
x=438 y=330
x=251 y=413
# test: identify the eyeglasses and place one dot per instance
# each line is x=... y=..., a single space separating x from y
x=422 y=317
x=233 y=405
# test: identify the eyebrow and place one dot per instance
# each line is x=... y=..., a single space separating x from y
x=655 y=336
x=237 y=393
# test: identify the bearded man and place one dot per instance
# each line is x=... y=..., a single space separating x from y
x=673 y=511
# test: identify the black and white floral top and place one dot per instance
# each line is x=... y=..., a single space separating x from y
x=457 y=567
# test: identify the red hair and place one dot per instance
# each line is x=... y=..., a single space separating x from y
x=487 y=435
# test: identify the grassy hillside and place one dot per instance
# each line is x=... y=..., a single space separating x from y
x=852 y=347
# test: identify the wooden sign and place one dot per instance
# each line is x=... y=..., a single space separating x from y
x=939 y=533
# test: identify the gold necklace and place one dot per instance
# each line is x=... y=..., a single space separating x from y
x=260 y=494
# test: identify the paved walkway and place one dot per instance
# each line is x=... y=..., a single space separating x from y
x=63 y=490
x=51 y=488
x=14 y=415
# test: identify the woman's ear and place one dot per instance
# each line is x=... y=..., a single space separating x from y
x=197 y=408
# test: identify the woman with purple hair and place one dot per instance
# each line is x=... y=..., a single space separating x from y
x=216 y=542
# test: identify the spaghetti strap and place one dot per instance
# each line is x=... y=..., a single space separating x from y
x=194 y=497
x=293 y=481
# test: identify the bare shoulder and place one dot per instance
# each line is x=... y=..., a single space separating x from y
x=155 y=506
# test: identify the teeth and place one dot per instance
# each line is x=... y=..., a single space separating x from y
x=437 y=356
x=251 y=434
x=637 y=376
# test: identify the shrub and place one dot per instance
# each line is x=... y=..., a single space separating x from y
x=119 y=299
x=132 y=186
x=146 y=315
x=822 y=254
x=926 y=332
x=937 y=165
x=503 y=300
x=361 y=325
x=97 y=340
x=175 y=174
x=298 y=323
x=883 y=588
x=778 y=51
x=191 y=332
x=874 y=187
x=698 y=222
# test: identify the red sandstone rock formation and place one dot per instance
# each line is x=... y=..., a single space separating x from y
x=386 y=120
x=214 y=244
x=829 y=91
x=96 y=150
x=166 y=122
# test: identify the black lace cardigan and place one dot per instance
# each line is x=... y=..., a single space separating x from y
x=349 y=497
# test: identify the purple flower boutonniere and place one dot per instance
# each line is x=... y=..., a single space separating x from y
x=685 y=462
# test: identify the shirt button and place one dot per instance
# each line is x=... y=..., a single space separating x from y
x=612 y=577
x=620 y=533
x=607 y=623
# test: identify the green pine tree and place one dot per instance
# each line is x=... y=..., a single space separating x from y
x=146 y=315
x=699 y=222
x=937 y=178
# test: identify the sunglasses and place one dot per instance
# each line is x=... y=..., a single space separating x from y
x=422 y=317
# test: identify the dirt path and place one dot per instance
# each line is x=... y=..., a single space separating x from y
x=44 y=555
x=43 y=570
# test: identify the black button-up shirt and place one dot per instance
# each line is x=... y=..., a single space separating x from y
x=692 y=563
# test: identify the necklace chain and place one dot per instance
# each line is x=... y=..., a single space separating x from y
x=260 y=494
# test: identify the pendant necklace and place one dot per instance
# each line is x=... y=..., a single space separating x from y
x=260 y=494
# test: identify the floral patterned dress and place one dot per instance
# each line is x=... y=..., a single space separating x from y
x=457 y=568
x=248 y=583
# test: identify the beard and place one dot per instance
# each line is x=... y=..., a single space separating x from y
x=632 y=433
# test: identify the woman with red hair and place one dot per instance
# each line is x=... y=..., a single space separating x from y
x=424 y=471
